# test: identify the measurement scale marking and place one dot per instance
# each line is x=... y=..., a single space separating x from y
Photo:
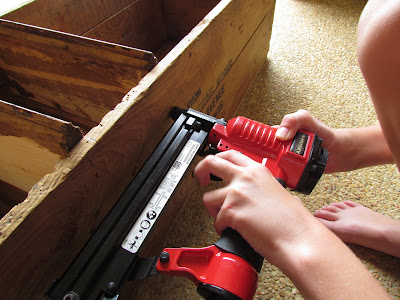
x=153 y=209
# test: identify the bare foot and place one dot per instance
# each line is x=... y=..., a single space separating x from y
x=356 y=224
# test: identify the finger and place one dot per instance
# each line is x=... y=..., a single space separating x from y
x=213 y=201
x=299 y=118
x=288 y=127
x=236 y=158
x=291 y=123
x=223 y=219
x=217 y=166
x=303 y=120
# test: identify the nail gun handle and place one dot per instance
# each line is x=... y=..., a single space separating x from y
x=232 y=242
x=226 y=270
x=240 y=282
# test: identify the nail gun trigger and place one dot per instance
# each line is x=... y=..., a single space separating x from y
x=144 y=267
x=207 y=149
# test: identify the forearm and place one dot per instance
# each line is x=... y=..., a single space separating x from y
x=322 y=267
x=362 y=147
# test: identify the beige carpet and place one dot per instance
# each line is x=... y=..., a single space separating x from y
x=312 y=65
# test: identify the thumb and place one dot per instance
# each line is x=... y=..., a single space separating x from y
x=284 y=133
x=291 y=123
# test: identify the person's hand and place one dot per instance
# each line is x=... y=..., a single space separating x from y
x=253 y=203
x=332 y=139
x=282 y=230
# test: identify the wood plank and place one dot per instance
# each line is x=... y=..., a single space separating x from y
x=244 y=69
x=9 y=197
x=140 y=25
x=72 y=16
x=31 y=144
x=182 y=15
x=56 y=135
x=23 y=162
x=84 y=124
x=73 y=204
x=7 y=94
x=77 y=75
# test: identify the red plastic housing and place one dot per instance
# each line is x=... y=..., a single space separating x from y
x=211 y=265
x=258 y=141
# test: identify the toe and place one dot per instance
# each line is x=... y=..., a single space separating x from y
x=349 y=203
x=326 y=215
x=331 y=208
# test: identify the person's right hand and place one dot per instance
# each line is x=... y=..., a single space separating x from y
x=253 y=203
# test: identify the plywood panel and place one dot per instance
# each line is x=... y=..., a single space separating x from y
x=182 y=15
x=72 y=16
x=31 y=144
x=77 y=75
x=140 y=25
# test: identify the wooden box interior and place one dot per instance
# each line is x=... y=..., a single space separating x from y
x=64 y=65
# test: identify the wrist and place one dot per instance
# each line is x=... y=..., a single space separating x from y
x=365 y=147
x=356 y=148
x=321 y=266
x=302 y=251
x=294 y=246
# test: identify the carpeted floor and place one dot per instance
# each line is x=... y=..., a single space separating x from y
x=312 y=64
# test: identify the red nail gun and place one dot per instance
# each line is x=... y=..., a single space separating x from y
x=226 y=270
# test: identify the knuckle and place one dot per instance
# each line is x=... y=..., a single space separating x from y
x=234 y=218
x=291 y=119
x=303 y=112
x=226 y=216
x=208 y=161
x=228 y=154
x=236 y=193
x=302 y=115
x=250 y=174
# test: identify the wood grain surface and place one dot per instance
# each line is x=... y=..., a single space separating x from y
x=31 y=144
x=209 y=70
x=80 y=76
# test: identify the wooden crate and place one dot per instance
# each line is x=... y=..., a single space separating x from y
x=86 y=87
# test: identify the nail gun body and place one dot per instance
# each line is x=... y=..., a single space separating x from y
x=297 y=163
